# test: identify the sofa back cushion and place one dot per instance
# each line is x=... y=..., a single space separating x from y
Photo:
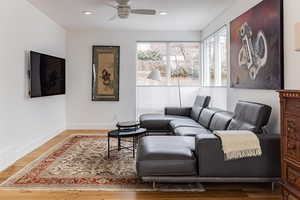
x=195 y=112
x=206 y=116
x=250 y=116
x=220 y=120
x=200 y=103
x=240 y=125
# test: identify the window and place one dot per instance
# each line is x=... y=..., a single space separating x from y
x=174 y=60
x=215 y=59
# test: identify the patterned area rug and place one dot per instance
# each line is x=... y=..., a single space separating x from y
x=80 y=163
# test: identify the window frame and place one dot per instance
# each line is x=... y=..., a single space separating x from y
x=225 y=27
x=168 y=63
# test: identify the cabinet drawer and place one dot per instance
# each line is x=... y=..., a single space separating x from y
x=291 y=138
x=292 y=150
x=292 y=127
x=293 y=176
x=293 y=106
x=288 y=196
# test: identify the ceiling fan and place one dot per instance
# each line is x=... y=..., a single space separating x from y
x=124 y=10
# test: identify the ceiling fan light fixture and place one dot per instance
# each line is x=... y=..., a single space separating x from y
x=163 y=13
x=87 y=12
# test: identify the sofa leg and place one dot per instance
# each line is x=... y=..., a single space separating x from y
x=153 y=185
x=273 y=186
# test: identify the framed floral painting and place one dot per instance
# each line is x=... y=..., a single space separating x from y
x=106 y=67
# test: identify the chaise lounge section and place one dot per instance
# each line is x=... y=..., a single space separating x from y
x=160 y=123
x=194 y=153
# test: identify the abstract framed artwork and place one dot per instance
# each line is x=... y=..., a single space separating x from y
x=256 y=47
x=106 y=72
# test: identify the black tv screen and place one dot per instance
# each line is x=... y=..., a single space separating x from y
x=47 y=75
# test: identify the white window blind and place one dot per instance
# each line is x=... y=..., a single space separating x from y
x=214 y=53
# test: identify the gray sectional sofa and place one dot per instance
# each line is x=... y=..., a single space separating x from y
x=194 y=154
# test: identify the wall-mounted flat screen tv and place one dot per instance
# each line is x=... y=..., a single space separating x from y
x=47 y=75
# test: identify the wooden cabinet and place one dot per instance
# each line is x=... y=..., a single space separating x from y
x=293 y=176
x=286 y=195
x=290 y=143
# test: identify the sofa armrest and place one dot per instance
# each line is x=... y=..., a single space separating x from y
x=212 y=164
x=185 y=111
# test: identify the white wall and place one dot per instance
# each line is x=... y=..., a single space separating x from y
x=82 y=113
x=292 y=58
x=292 y=70
x=155 y=99
x=26 y=123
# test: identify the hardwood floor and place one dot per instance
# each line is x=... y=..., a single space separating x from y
x=214 y=191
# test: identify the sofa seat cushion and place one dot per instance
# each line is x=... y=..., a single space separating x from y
x=190 y=131
x=166 y=156
x=158 y=122
x=184 y=123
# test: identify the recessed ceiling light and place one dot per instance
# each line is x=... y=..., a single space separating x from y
x=87 y=12
x=163 y=13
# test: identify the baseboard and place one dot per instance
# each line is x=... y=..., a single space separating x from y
x=11 y=154
x=100 y=126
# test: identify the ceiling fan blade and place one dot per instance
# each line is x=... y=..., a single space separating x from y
x=143 y=11
x=110 y=3
x=113 y=18
x=123 y=2
x=112 y=6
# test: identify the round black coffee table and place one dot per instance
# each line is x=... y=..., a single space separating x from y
x=130 y=129
x=128 y=124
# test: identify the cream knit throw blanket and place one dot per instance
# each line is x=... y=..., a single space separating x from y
x=239 y=144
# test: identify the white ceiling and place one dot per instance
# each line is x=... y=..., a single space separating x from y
x=183 y=14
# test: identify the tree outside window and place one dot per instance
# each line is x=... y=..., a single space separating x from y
x=175 y=60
